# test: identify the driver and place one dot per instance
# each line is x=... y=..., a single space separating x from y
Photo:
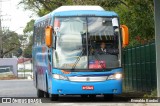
x=104 y=50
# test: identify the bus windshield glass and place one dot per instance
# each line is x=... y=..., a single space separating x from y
x=86 y=43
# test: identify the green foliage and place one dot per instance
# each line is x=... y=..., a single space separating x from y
x=29 y=26
x=19 y=52
x=42 y=7
x=139 y=17
x=28 y=50
x=153 y=94
x=10 y=43
x=26 y=70
x=29 y=31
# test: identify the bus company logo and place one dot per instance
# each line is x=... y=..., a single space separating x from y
x=6 y=100
x=87 y=79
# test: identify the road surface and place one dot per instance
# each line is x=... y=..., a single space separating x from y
x=17 y=88
x=25 y=88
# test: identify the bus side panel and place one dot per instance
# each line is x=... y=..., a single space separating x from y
x=41 y=66
x=40 y=54
x=34 y=68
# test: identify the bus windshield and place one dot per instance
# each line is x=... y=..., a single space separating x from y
x=86 y=43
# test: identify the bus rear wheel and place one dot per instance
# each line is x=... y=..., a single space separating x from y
x=53 y=97
x=46 y=94
x=40 y=93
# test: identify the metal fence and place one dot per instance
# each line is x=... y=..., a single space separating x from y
x=139 y=65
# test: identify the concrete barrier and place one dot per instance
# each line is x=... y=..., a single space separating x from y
x=9 y=62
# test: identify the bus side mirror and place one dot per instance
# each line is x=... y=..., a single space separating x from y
x=125 y=35
x=48 y=36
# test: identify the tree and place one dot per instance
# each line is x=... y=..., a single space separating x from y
x=138 y=15
x=28 y=50
x=28 y=30
x=29 y=27
x=42 y=7
x=10 y=42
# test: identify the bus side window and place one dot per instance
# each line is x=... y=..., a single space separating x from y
x=42 y=27
x=43 y=32
x=34 y=35
x=40 y=34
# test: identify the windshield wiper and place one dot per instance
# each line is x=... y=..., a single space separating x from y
x=80 y=55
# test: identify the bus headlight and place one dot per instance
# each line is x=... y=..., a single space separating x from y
x=59 y=77
x=115 y=76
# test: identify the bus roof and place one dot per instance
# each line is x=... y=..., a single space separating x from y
x=69 y=8
x=78 y=11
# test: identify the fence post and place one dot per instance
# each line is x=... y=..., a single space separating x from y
x=157 y=38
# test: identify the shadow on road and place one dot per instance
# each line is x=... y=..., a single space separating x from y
x=75 y=99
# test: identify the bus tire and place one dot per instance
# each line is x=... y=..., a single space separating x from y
x=36 y=80
x=108 y=97
x=40 y=93
x=84 y=96
x=92 y=96
x=46 y=93
x=54 y=97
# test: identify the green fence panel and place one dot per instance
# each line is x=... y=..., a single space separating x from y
x=139 y=65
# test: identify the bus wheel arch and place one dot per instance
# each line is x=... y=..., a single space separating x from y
x=40 y=93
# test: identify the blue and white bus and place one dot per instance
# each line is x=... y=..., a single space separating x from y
x=66 y=57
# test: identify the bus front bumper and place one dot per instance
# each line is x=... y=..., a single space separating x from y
x=63 y=87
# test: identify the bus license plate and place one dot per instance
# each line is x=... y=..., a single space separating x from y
x=87 y=87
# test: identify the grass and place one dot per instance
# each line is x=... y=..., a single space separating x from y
x=131 y=93
x=24 y=71
x=152 y=94
x=7 y=76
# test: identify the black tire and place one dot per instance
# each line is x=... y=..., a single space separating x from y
x=92 y=96
x=84 y=96
x=36 y=80
x=108 y=97
x=54 y=97
x=40 y=93
x=46 y=94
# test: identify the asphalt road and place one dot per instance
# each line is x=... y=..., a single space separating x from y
x=17 y=88
x=25 y=88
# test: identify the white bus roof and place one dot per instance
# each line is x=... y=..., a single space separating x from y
x=69 y=8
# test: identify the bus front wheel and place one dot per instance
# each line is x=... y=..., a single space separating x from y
x=53 y=97
x=92 y=96
x=84 y=96
x=108 y=97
